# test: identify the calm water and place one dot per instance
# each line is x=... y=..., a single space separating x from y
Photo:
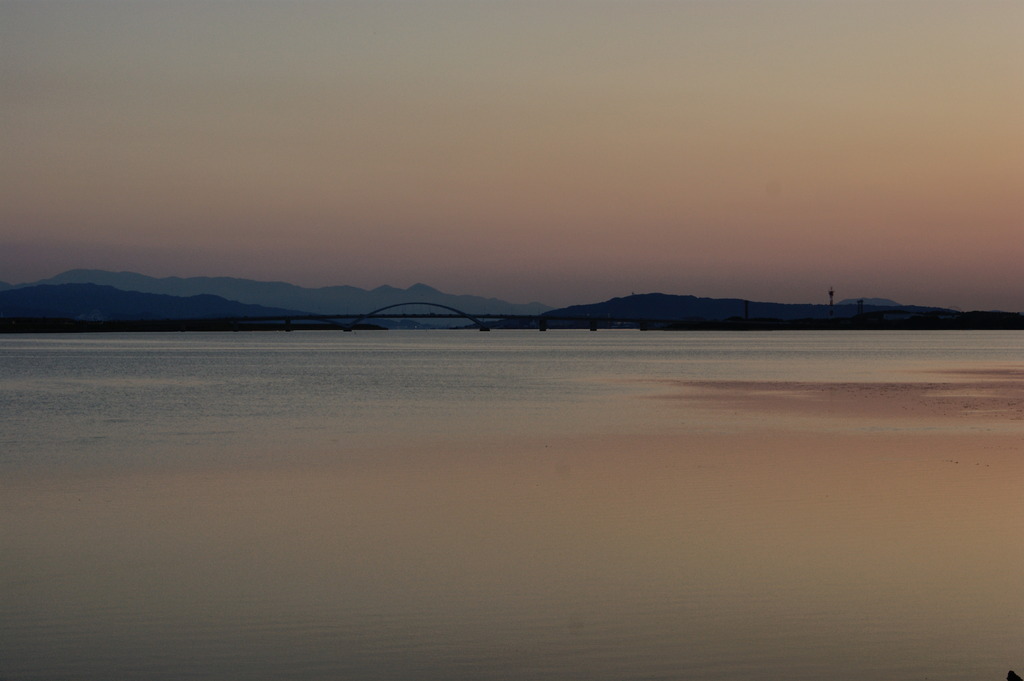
x=512 y=505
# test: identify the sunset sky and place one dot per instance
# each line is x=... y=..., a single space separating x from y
x=565 y=151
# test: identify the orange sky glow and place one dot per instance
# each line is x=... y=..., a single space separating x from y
x=565 y=151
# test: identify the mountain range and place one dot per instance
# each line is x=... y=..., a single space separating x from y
x=101 y=295
x=277 y=294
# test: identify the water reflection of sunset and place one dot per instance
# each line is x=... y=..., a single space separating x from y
x=604 y=523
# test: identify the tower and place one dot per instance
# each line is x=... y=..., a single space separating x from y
x=831 y=295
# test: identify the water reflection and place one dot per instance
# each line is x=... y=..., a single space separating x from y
x=627 y=538
x=654 y=559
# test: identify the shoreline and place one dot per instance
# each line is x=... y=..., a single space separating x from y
x=966 y=321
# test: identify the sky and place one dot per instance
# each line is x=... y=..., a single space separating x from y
x=563 y=151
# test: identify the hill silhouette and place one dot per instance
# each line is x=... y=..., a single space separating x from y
x=94 y=302
x=691 y=308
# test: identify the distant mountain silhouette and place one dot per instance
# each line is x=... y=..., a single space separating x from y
x=327 y=300
x=69 y=295
x=691 y=308
x=95 y=302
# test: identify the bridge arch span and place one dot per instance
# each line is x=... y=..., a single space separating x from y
x=475 y=320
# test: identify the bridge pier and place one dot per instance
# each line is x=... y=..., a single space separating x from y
x=542 y=324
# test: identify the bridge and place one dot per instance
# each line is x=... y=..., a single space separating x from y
x=483 y=321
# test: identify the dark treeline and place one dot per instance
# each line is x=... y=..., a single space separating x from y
x=871 y=321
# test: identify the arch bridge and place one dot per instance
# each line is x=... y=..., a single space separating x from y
x=348 y=322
